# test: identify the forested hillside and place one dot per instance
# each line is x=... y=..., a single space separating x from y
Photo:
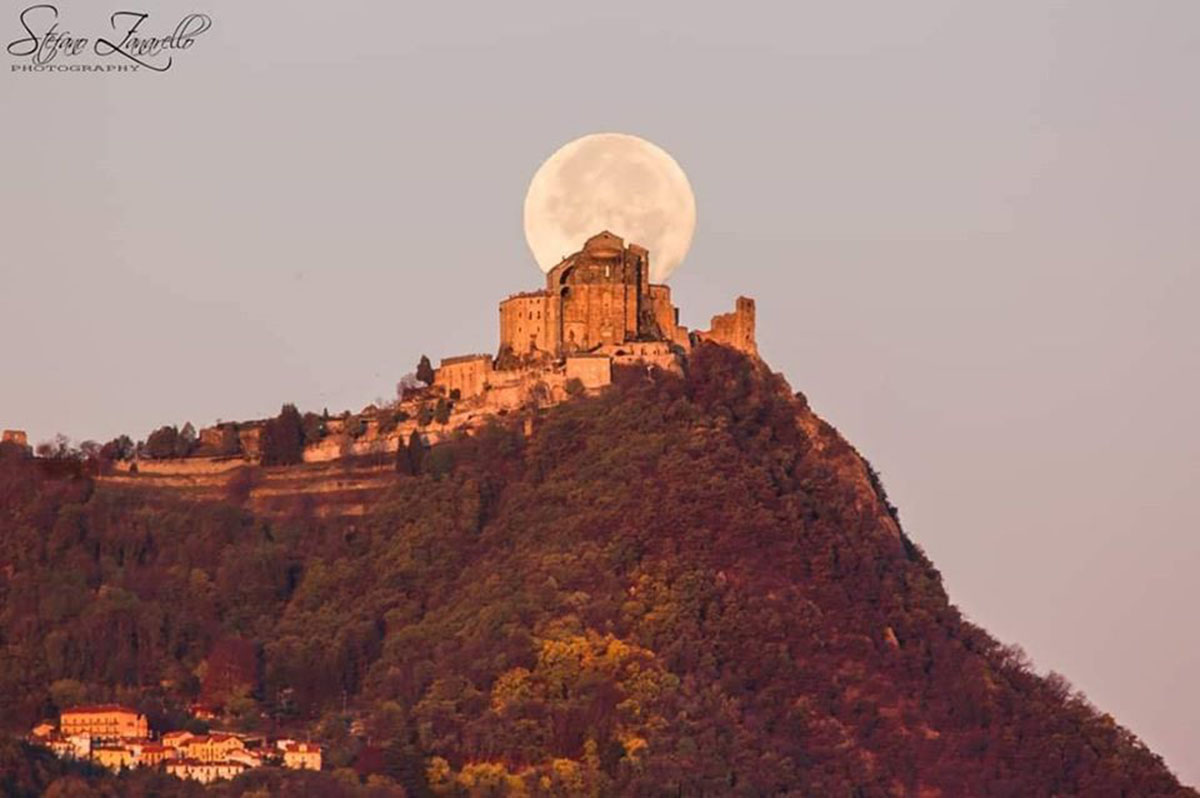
x=683 y=586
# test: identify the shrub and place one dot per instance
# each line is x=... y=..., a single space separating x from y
x=355 y=426
x=314 y=427
x=441 y=413
x=119 y=448
x=425 y=371
x=424 y=415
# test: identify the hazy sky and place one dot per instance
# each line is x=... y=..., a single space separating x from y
x=971 y=229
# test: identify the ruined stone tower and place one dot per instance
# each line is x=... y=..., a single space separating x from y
x=734 y=329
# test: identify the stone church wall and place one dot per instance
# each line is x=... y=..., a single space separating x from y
x=593 y=371
x=525 y=325
x=467 y=374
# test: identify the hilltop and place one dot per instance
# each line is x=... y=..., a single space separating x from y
x=686 y=583
x=598 y=312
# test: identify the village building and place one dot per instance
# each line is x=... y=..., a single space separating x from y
x=302 y=756
x=176 y=739
x=205 y=711
x=121 y=741
x=77 y=746
x=103 y=723
x=204 y=772
x=154 y=754
x=114 y=757
x=250 y=759
x=211 y=748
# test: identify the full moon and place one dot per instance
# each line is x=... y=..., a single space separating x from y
x=615 y=182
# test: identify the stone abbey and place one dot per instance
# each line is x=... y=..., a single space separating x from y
x=598 y=308
x=598 y=311
x=599 y=296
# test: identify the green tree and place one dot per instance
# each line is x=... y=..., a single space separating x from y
x=163 y=443
x=119 y=448
x=66 y=693
x=314 y=428
x=230 y=443
x=425 y=415
x=425 y=371
x=187 y=440
x=441 y=413
x=283 y=438
x=355 y=426
x=416 y=452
